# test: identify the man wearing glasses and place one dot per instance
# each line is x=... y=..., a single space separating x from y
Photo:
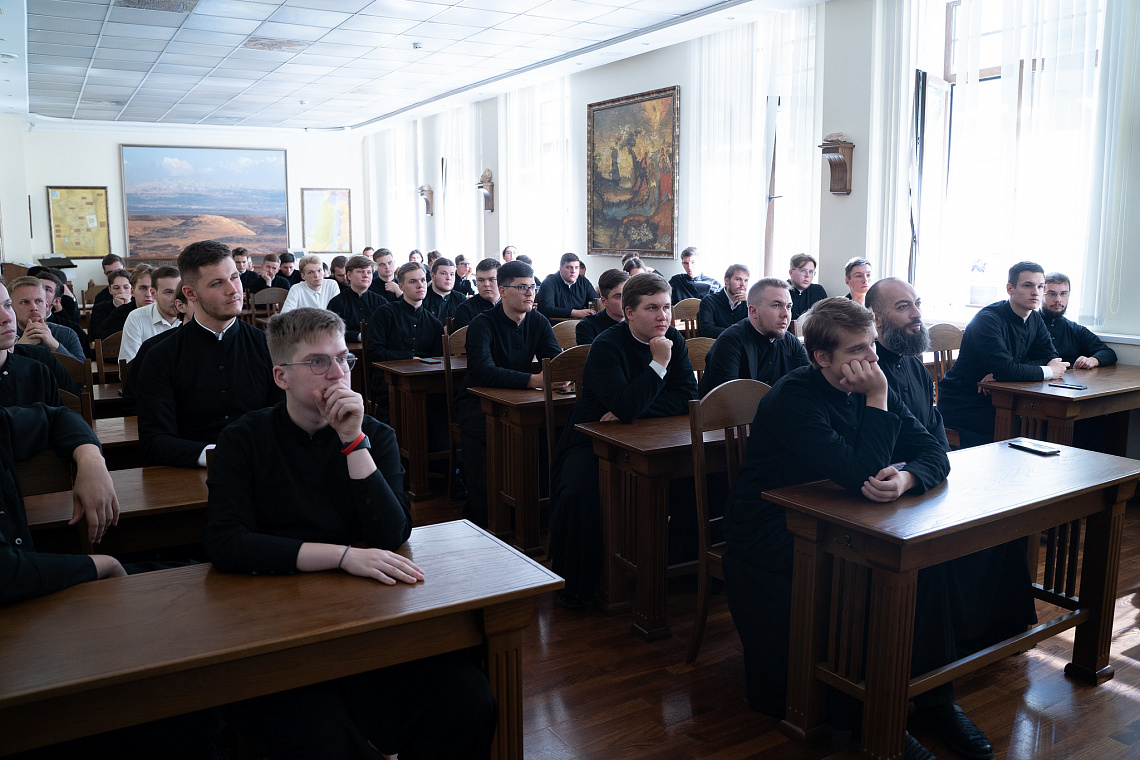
x=803 y=291
x=502 y=344
x=343 y=510
x=210 y=372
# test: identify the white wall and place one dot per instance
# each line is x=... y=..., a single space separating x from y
x=79 y=157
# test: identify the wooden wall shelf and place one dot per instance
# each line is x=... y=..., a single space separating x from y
x=838 y=156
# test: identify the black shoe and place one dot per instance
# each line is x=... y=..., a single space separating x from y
x=571 y=601
x=957 y=730
x=912 y=750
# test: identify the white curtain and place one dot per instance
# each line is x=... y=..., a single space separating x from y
x=535 y=200
x=459 y=209
x=401 y=204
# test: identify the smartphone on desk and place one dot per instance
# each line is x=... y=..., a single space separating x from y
x=1034 y=447
x=1070 y=386
x=429 y=360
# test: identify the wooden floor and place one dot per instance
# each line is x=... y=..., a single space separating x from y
x=593 y=692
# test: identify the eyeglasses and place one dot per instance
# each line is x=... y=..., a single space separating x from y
x=806 y=271
x=526 y=290
x=320 y=364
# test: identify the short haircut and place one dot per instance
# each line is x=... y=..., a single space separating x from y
x=404 y=269
x=634 y=263
x=204 y=253
x=48 y=276
x=441 y=262
x=239 y=251
x=460 y=259
x=514 y=270
x=306 y=260
x=525 y=259
x=338 y=261
x=124 y=273
x=756 y=292
x=273 y=257
x=433 y=255
x=610 y=279
x=486 y=265
x=803 y=258
x=112 y=258
x=164 y=273
x=415 y=252
x=26 y=282
x=288 y=258
x=508 y=248
x=367 y=248
x=689 y=252
x=381 y=254
x=286 y=331
x=1056 y=278
x=728 y=273
x=858 y=261
x=567 y=258
x=642 y=285
x=141 y=271
x=356 y=262
x=825 y=323
x=1023 y=266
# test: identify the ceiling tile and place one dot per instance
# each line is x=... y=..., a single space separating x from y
x=535 y=24
x=448 y=58
x=303 y=70
x=118 y=78
x=507 y=6
x=355 y=37
x=139 y=31
x=146 y=18
x=126 y=43
x=408 y=43
x=58 y=60
x=593 y=32
x=337 y=50
x=471 y=17
x=521 y=56
x=378 y=24
x=125 y=65
x=571 y=10
x=61 y=38
x=205 y=37
x=432 y=30
x=111 y=54
x=246 y=64
x=419 y=11
x=57 y=24
x=502 y=37
x=68 y=51
x=309 y=17
x=344 y=6
x=262 y=55
x=201 y=61
x=234 y=9
x=676 y=7
x=634 y=19
x=561 y=44
x=170 y=79
x=220 y=24
x=478 y=49
x=278 y=31
x=67 y=9
x=171 y=68
x=196 y=49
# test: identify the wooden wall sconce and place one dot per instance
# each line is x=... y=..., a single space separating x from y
x=487 y=187
x=838 y=153
x=428 y=196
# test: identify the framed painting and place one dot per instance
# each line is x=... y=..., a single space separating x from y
x=326 y=220
x=77 y=217
x=631 y=176
x=174 y=196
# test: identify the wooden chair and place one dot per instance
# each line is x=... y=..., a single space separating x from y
x=454 y=344
x=125 y=370
x=945 y=339
x=730 y=407
x=686 y=311
x=46 y=472
x=266 y=303
x=106 y=357
x=367 y=365
x=80 y=404
x=698 y=350
x=566 y=367
x=87 y=297
x=564 y=333
x=80 y=371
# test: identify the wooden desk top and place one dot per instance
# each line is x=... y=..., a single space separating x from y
x=1101 y=381
x=122 y=630
x=521 y=397
x=117 y=431
x=106 y=393
x=986 y=484
x=148 y=490
x=412 y=367
x=647 y=436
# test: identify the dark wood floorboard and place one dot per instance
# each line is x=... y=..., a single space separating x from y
x=593 y=692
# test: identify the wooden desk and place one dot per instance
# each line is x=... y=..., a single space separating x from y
x=120 y=439
x=515 y=419
x=119 y=652
x=410 y=382
x=635 y=464
x=158 y=507
x=1111 y=391
x=994 y=494
x=107 y=400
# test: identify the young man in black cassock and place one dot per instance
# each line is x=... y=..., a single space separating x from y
x=1005 y=341
x=691 y=283
x=356 y=302
x=567 y=294
x=211 y=371
x=486 y=294
x=339 y=507
x=384 y=282
x=839 y=419
x=610 y=285
x=502 y=344
x=803 y=291
x=639 y=368
x=441 y=299
x=23 y=380
x=760 y=347
x=720 y=311
x=1076 y=344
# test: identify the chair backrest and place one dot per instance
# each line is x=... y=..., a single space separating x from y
x=106 y=356
x=698 y=350
x=565 y=333
x=367 y=365
x=46 y=472
x=945 y=339
x=88 y=296
x=80 y=404
x=454 y=344
x=686 y=310
x=80 y=371
x=269 y=298
x=730 y=407
x=568 y=366
x=125 y=370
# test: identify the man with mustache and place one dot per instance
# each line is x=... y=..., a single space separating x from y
x=721 y=310
x=1076 y=344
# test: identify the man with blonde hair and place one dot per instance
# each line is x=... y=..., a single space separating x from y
x=29 y=301
x=313 y=290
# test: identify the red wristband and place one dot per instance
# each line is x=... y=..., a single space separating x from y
x=352 y=446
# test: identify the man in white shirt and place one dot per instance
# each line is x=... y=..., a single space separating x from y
x=313 y=290
x=158 y=317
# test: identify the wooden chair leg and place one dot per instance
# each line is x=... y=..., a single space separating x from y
x=698 y=635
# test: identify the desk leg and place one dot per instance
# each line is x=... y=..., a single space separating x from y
x=1004 y=429
x=652 y=500
x=521 y=484
x=889 y=643
x=414 y=426
x=807 y=645
x=498 y=517
x=1103 y=534
x=612 y=585
x=502 y=626
x=1060 y=431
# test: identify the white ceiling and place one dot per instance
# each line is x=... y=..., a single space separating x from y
x=313 y=63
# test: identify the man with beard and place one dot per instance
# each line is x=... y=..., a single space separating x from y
x=210 y=372
x=720 y=311
x=1076 y=344
x=760 y=347
x=903 y=338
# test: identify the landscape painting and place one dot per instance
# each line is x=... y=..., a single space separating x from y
x=631 y=180
x=175 y=196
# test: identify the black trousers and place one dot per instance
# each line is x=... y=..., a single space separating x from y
x=440 y=708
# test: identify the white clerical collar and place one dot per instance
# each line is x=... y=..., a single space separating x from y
x=218 y=335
